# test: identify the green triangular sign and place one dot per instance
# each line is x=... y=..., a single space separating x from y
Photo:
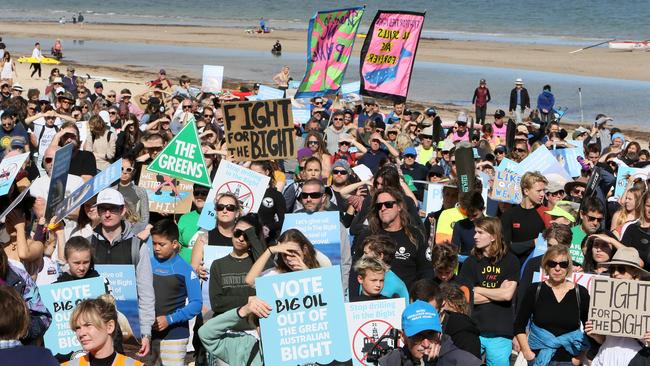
x=182 y=158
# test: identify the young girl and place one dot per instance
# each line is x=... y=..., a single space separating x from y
x=630 y=210
x=492 y=271
x=94 y=322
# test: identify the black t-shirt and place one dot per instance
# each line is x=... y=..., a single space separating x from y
x=83 y=163
x=521 y=226
x=108 y=361
x=494 y=317
x=463 y=331
x=556 y=317
x=272 y=211
x=639 y=238
x=463 y=236
x=216 y=238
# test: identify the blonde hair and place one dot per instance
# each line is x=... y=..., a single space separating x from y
x=556 y=251
x=97 y=312
x=530 y=178
x=369 y=264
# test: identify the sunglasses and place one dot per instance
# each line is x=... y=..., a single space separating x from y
x=562 y=264
x=312 y=142
x=427 y=137
x=337 y=119
x=112 y=113
x=65 y=101
x=344 y=143
x=520 y=150
x=208 y=115
x=578 y=191
x=238 y=233
x=185 y=107
x=597 y=219
x=111 y=96
x=127 y=170
x=50 y=117
x=409 y=156
x=392 y=132
x=200 y=193
x=153 y=149
x=229 y=207
x=437 y=175
x=109 y=208
x=558 y=193
x=312 y=195
x=388 y=204
x=339 y=172
x=68 y=136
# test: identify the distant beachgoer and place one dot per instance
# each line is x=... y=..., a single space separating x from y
x=80 y=18
x=36 y=53
x=545 y=104
x=263 y=26
x=282 y=78
x=480 y=100
x=7 y=68
x=519 y=100
x=277 y=47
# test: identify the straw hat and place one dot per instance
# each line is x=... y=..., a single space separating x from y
x=628 y=256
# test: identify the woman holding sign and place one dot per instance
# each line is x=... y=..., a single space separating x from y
x=621 y=350
x=556 y=308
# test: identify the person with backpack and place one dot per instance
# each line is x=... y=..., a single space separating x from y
x=115 y=241
x=101 y=142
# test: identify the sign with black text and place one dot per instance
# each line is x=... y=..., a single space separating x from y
x=620 y=307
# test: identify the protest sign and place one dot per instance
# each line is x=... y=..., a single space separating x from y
x=247 y=185
x=60 y=299
x=625 y=175
x=300 y=115
x=368 y=321
x=433 y=197
x=568 y=159
x=330 y=39
x=89 y=189
x=259 y=130
x=581 y=278
x=212 y=79
x=619 y=307
x=9 y=168
x=506 y=187
x=351 y=88
x=294 y=84
x=388 y=54
x=362 y=172
x=122 y=286
x=166 y=194
x=182 y=158
x=323 y=229
x=58 y=180
x=210 y=254
x=14 y=203
x=306 y=324
x=267 y=93
x=543 y=161
x=507 y=164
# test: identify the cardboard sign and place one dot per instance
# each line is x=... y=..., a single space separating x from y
x=122 y=286
x=433 y=197
x=9 y=168
x=89 y=189
x=166 y=194
x=506 y=187
x=306 y=324
x=330 y=39
x=268 y=93
x=620 y=307
x=182 y=158
x=388 y=54
x=212 y=79
x=323 y=229
x=58 y=180
x=368 y=321
x=210 y=254
x=259 y=130
x=60 y=299
x=247 y=185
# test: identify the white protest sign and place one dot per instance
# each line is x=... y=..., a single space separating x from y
x=247 y=185
x=368 y=321
x=363 y=172
x=433 y=197
x=212 y=79
x=9 y=168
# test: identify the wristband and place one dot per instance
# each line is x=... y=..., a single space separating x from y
x=52 y=227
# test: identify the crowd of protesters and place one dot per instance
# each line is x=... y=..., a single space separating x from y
x=466 y=273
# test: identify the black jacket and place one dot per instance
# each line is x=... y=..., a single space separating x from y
x=525 y=99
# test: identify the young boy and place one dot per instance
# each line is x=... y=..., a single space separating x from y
x=174 y=283
x=370 y=275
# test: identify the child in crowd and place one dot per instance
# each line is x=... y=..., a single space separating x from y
x=370 y=275
x=174 y=283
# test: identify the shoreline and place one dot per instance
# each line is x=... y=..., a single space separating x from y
x=595 y=62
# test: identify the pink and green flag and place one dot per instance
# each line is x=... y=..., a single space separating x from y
x=330 y=40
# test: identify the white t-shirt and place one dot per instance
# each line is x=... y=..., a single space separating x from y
x=49 y=273
x=616 y=351
x=41 y=186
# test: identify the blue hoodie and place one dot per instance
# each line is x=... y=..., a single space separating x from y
x=545 y=101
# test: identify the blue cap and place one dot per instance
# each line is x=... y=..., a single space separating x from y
x=410 y=151
x=418 y=317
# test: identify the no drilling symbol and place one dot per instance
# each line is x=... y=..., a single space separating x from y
x=6 y=173
x=366 y=337
x=243 y=192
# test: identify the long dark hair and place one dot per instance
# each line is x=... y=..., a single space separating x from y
x=306 y=246
x=373 y=216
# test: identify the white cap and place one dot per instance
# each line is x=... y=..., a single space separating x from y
x=59 y=90
x=519 y=81
x=110 y=196
x=17 y=87
x=462 y=117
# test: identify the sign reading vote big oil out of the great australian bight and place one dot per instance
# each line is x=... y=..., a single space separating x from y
x=259 y=130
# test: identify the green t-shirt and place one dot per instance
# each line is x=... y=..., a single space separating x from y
x=188 y=226
x=576 y=244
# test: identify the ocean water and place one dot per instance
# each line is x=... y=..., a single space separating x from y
x=529 y=21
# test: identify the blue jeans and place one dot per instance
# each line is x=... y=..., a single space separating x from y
x=497 y=350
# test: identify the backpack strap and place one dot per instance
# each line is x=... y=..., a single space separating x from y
x=578 y=300
x=136 y=243
x=254 y=351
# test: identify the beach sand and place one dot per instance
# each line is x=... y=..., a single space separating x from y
x=598 y=62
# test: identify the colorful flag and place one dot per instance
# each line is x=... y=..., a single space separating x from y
x=388 y=54
x=330 y=40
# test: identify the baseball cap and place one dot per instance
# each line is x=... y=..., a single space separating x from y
x=431 y=111
x=579 y=131
x=110 y=196
x=59 y=90
x=410 y=151
x=436 y=169
x=420 y=316
x=554 y=186
x=558 y=211
x=98 y=84
x=499 y=113
x=57 y=80
x=482 y=81
x=462 y=118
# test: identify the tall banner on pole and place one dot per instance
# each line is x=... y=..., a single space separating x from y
x=388 y=54
x=330 y=39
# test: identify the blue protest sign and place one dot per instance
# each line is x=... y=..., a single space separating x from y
x=268 y=93
x=60 y=299
x=301 y=115
x=323 y=229
x=210 y=254
x=568 y=157
x=307 y=321
x=122 y=286
x=294 y=84
x=89 y=189
x=58 y=180
x=247 y=185
x=543 y=161
x=507 y=164
x=351 y=88
x=433 y=197
x=9 y=168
